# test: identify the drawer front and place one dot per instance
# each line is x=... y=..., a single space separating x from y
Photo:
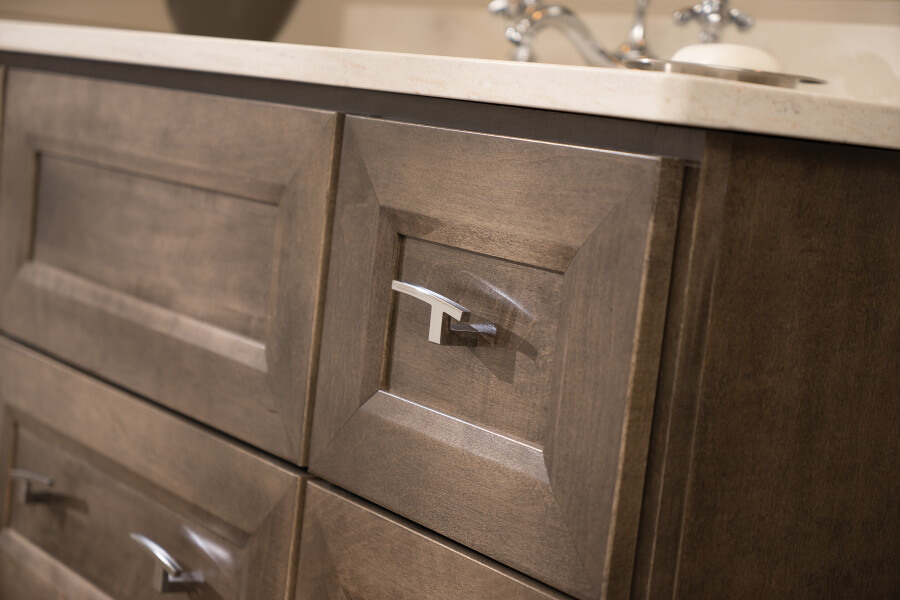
x=121 y=467
x=170 y=242
x=29 y=573
x=528 y=446
x=350 y=549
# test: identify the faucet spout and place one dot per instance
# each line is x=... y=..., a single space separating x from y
x=635 y=44
x=528 y=18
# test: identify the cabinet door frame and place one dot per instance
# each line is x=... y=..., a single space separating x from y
x=566 y=513
x=264 y=156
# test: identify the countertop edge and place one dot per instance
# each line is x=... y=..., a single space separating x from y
x=675 y=99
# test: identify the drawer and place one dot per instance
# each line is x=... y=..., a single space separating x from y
x=529 y=445
x=120 y=467
x=350 y=549
x=28 y=573
x=170 y=242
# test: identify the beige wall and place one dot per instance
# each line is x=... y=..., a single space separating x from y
x=321 y=21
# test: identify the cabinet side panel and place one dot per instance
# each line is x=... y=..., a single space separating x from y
x=794 y=480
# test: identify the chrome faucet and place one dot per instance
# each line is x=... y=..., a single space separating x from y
x=713 y=16
x=526 y=18
x=635 y=44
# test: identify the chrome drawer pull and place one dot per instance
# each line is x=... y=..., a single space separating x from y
x=168 y=576
x=26 y=479
x=441 y=309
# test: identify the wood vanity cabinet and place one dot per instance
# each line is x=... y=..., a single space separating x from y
x=690 y=390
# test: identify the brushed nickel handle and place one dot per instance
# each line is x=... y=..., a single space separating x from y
x=26 y=479
x=442 y=309
x=168 y=575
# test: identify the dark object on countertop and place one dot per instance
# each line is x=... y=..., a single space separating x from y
x=248 y=19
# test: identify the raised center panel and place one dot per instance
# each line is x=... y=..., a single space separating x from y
x=491 y=341
x=199 y=252
x=170 y=242
x=502 y=385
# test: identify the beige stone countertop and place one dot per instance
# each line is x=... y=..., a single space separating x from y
x=658 y=97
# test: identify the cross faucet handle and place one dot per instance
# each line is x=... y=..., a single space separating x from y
x=510 y=9
x=713 y=16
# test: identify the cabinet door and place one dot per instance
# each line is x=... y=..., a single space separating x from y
x=529 y=445
x=170 y=242
x=103 y=466
x=351 y=549
x=28 y=573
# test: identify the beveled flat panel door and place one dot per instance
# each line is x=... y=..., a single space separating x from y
x=351 y=549
x=120 y=465
x=29 y=573
x=528 y=447
x=170 y=242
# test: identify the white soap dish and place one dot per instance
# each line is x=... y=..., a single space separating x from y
x=738 y=56
x=733 y=73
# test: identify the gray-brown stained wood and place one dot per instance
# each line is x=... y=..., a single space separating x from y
x=171 y=242
x=350 y=549
x=29 y=573
x=501 y=385
x=775 y=471
x=120 y=466
x=529 y=450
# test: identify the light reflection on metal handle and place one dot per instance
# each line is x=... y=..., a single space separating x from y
x=441 y=308
x=168 y=575
x=26 y=479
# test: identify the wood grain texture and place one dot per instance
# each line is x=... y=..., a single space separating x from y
x=561 y=508
x=609 y=346
x=780 y=472
x=502 y=385
x=170 y=242
x=351 y=549
x=668 y=462
x=493 y=196
x=29 y=573
x=87 y=214
x=121 y=465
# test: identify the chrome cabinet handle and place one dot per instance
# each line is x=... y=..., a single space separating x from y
x=26 y=479
x=168 y=576
x=441 y=309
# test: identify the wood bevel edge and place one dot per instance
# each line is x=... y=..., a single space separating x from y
x=669 y=460
x=315 y=344
x=642 y=384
